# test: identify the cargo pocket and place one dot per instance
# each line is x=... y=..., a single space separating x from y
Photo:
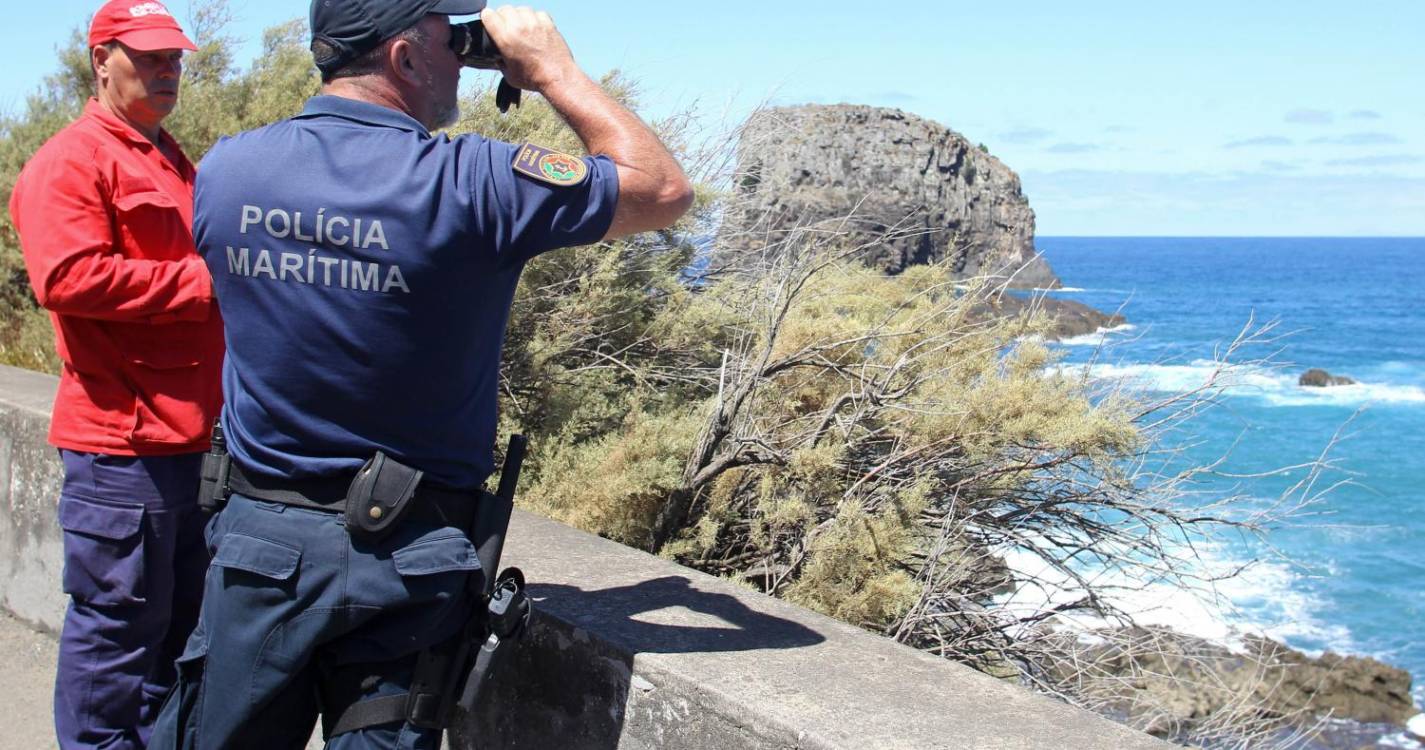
x=424 y=557
x=434 y=572
x=165 y=364
x=150 y=224
x=258 y=573
x=103 y=552
x=262 y=557
x=166 y=415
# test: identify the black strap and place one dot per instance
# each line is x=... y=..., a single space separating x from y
x=506 y=96
x=439 y=681
x=318 y=494
x=388 y=709
x=344 y=710
x=435 y=504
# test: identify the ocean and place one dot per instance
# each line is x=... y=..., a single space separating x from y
x=1349 y=574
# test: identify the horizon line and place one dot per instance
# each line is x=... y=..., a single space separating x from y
x=1235 y=236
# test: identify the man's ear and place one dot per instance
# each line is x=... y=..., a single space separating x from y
x=405 y=62
x=99 y=62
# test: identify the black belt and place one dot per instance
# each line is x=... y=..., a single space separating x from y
x=432 y=504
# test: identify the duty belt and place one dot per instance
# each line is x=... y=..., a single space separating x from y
x=432 y=503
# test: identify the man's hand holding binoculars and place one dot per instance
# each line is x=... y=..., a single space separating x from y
x=534 y=55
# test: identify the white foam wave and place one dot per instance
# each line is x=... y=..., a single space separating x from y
x=1097 y=338
x=1266 y=599
x=1350 y=395
x=1401 y=741
x=1274 y=387
x=1066 y=289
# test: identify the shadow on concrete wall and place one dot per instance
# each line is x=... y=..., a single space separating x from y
x=668 y=616
x=567 y=685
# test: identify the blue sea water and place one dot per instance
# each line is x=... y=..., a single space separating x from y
x=1354 y=307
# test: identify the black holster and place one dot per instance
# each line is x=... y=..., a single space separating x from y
x=452 y=673
x=213 y=477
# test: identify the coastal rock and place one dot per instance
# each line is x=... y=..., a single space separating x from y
x=1349 y=687
x=1318 y=378
x=1070 y=318
x=1166 y=682
x=911 y=190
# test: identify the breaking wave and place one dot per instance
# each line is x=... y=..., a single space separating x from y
x=1099 y=337
x=1266 y=598
x=1273 y=387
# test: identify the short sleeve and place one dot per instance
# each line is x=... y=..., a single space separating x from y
x=525 y=216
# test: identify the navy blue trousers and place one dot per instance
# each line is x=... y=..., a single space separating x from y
x=290 y=596
x=134 y=561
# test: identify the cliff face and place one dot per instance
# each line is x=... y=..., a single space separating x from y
x=940 y=195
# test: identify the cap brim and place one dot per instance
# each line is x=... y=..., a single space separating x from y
x=148 y=40
x=458 y=7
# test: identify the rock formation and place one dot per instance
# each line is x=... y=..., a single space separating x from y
x=1165 y=681
x=1318 y=378
x=1069 y=318
x=916 y=191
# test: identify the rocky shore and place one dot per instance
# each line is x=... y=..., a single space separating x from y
x=1175 y=685
x=1208 y=693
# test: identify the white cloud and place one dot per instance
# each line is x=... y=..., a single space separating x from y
x=1359 y=139
x=1264 y=140
x=1310 y=116
x=1383 y=160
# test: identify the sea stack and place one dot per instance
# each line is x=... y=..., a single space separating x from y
x=913 y=191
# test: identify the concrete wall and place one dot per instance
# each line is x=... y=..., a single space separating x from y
x=31 y=550
x=629 y=650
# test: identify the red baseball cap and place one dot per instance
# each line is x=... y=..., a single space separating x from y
x=141 y=24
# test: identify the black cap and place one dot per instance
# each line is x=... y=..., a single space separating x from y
x=355 y=27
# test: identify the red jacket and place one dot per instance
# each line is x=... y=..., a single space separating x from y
x=105 y=224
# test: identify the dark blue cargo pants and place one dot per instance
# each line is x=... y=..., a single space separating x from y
x=289 y=595
x=134 y=561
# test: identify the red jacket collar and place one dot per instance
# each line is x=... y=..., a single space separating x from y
x=111 y=122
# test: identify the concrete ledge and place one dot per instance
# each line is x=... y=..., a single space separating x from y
x=31 y=546
x=632 y=651
x=628 y=650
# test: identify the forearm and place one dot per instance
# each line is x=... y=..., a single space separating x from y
x=607 y=127
x=63 y=211
x=653 y=191
x=111 y=287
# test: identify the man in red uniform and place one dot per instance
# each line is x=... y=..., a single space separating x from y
x=104 y=211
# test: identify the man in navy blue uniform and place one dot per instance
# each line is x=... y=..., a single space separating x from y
x=365 y=269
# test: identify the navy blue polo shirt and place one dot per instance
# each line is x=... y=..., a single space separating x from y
x=365 y=269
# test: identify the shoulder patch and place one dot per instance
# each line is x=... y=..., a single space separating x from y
x=550 y=166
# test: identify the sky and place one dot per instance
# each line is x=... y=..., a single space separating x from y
x=1211 y=118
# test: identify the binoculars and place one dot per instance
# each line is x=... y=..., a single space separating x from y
x=473 y=46
x=476 y=49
